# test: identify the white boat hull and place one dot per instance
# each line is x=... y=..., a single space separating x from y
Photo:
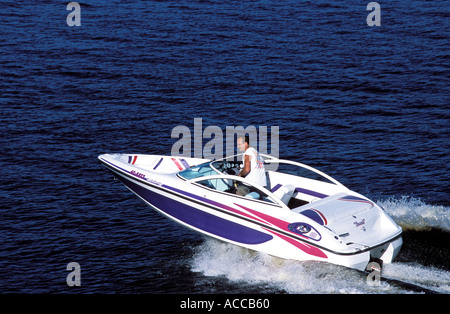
x=360 y=232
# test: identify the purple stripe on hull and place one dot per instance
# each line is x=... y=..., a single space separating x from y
x=185 y=164
x=352 y=198
x=275 y=188
x=314 y=216
x=198 y=218
x=312 y=193
x=157 y=165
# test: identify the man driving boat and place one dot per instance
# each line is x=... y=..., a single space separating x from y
x=253 y=169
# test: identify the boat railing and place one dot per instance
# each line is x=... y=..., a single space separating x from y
x=272 y=159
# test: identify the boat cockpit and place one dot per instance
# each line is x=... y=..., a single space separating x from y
x=288 y=183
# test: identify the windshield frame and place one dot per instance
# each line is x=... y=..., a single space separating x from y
x=202 y=170
x=274 y=201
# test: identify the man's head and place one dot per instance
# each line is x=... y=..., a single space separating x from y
x=243 y=143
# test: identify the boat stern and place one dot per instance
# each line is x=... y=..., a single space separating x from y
x=363 y=231
x=388 y=251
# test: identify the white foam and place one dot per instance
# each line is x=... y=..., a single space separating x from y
x=413 y=214
x=242 y=266
x=429 y=277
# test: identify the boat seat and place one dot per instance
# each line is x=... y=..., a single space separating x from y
x=253 y=195
x=285 y=192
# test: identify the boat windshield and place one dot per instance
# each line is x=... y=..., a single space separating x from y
x=198 y=171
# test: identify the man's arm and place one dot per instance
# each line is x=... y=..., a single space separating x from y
x=246 y=169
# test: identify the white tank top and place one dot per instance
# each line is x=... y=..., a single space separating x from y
x=257 y=172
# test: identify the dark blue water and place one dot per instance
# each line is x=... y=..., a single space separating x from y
x=368 y=105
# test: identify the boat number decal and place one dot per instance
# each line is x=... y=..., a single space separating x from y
x=142 y=176
x=138 y=174
x=154 y=182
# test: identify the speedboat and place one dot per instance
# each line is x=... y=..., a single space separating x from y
x=301 y=214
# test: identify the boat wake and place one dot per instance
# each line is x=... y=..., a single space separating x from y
x=249 y=269
x=413 y=214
